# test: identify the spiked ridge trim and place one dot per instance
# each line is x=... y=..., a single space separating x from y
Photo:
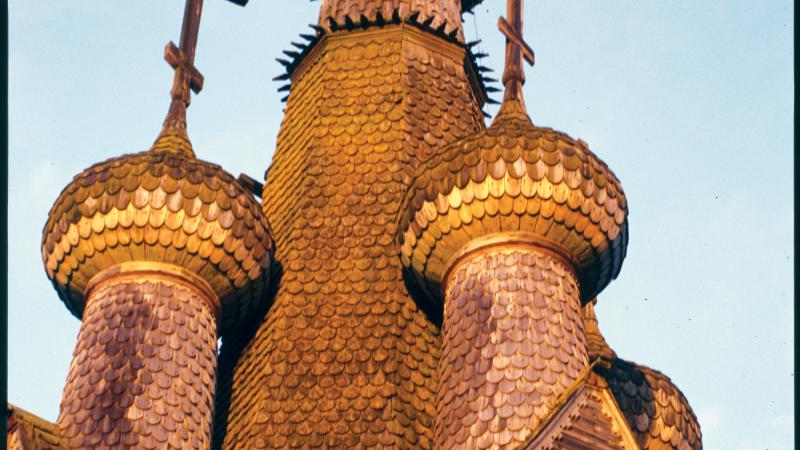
x=481 y=84
x=469 y=5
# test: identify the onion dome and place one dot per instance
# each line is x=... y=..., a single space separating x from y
x=656 y=410
x=162 y=205
x=516 y=177
x=159 y=206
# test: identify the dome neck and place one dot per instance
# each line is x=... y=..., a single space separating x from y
x=513 y=110
x=174 y=137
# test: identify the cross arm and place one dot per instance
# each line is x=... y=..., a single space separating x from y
x=177 y=59
x=512 y=35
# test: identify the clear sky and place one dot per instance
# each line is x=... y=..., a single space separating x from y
x=689 y=102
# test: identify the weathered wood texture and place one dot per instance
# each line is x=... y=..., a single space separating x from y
x=28 y=432
x=512 y=344
x=142 y=375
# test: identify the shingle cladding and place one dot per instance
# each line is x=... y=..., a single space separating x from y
x=512 y=344
x=345 y=357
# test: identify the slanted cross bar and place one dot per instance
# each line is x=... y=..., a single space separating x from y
x=182 y=58
x=187 y=77
x=516 y=50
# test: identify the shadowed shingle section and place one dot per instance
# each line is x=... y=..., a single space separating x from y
x=658 y=413
x=345 y=357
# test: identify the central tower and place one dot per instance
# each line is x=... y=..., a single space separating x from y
x=345 y=357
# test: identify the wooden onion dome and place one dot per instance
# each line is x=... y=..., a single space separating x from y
x=516 y=177
x=159 y=206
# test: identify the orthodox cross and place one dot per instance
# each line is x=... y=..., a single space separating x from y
x=186 y=77
x=516 y=50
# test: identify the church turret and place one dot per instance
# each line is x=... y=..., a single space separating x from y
x=511 y=229
x=345 y=356
x=156 y=252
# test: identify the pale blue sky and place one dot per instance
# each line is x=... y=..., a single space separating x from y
x=689 y=102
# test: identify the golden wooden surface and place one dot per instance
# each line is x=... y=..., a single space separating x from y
x=159 y=206
x=143 y=370
x=345 y=358
x=512 y=344
x=657 y=411
x=152 y=250
x=514 y=177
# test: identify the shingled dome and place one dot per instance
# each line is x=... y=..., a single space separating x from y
x=164 y=206
x=515 y=177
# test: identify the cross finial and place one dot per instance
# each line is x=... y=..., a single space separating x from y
x=173 y=136
x=516 y=50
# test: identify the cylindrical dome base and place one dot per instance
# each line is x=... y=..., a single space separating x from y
x=513 y=342
x=142 y=375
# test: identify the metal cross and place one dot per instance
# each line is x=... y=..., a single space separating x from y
x=187 y=77
x=516 y=49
